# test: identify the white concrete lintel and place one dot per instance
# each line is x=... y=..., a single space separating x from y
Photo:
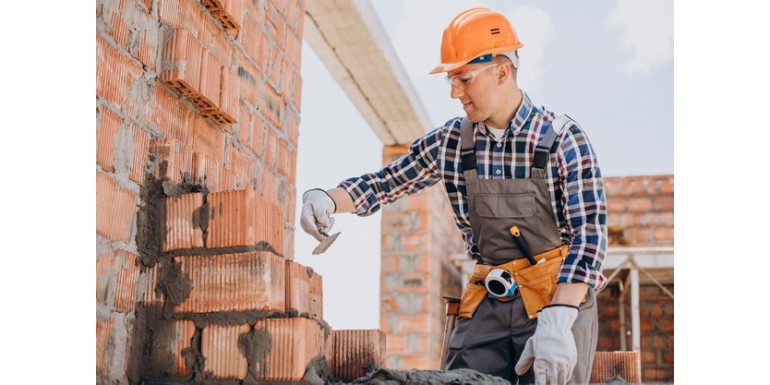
x=350 y=40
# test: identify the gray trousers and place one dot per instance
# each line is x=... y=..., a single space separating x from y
x=492 y=341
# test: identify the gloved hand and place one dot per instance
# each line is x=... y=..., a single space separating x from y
x=552 y=347
x=317 y=207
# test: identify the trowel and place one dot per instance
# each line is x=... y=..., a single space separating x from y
x=325 y=243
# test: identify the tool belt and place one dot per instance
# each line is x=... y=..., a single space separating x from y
x=536 y=284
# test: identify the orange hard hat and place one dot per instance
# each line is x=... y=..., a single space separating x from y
x=475 y=34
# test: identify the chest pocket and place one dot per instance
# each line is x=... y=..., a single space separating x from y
x=505 y=205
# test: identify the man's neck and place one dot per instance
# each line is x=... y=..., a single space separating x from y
x=510 y=104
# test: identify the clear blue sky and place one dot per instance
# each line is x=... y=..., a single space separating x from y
x=607 y=64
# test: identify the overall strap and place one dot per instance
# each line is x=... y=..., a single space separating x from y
x=468 y=148
x=468 y=154
x=543 y=148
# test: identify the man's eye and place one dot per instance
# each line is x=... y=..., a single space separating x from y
x=464 y=79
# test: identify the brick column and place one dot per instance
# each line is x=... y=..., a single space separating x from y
x=418 y=235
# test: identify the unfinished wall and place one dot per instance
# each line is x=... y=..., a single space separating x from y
x=641 y=211
x=417 y=240
x=197 y=115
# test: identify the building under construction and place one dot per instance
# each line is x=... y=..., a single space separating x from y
x=198 y=111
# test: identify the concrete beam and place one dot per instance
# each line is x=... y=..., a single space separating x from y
x=351 y=42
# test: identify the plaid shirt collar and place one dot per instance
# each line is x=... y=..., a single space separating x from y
x=519 y=118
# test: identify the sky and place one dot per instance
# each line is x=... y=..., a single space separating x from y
x=608 y=64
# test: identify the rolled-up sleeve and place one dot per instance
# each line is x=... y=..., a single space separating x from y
x=584 y=208
x=414 y=171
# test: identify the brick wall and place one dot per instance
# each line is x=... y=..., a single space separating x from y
x=643 y=208
x=417 y=240
x=197 y=114
x=641 y=212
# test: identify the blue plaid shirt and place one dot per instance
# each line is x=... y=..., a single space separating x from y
x=573 y=176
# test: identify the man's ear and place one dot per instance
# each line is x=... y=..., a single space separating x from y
x=503 y=73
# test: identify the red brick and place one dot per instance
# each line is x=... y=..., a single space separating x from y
x=245 y=125
x=271 y=147
x=244 y=218
x=254 y=42
x=275 y=24
x=294 y=49
x=182 y=67
x=258 y=137
x=141 y=151
x=414 y=323
x=282 y=158
x=125 y=286
x=231 y=15
x=272 y=105
x=207 y=99
x=668 y=357
x=648 y=357
x=252 y=281
x=115 y=209
x=241 y=164
x=249 y=76
x=207 y=140
x=169 y=114
x=639 y=204
x=416 y=362
x=663 y=203
x=639 y=236
x=107 y=128
x=295 y=342
x=222 y=357
x=219 y=42
x=146 y=288
x=256 y=9
x=355 y=352
x=666 y=184
x=104 y=333
x=396 y=345
x=268 y=183
x=664 y=234
x=228 y=98
x=115 y=75
x=180 y=13
x=185 y=329
x=608 y=365
x=199 y=165
x=183 y=227
x=304 y=290
x=103 y=277
x=297 y=91
x=212 y=5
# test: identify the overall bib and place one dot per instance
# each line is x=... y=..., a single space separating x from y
x=493 y=338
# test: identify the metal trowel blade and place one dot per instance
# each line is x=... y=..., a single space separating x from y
x=325 y=244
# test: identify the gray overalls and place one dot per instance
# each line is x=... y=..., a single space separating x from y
x=493 y=339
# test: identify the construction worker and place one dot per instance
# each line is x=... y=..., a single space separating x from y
x=527 y=196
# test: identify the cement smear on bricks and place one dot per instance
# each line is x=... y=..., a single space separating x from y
x=421 y=377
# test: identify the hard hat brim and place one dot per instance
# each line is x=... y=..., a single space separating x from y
x=446 y=67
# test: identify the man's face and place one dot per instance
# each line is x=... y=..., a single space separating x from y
x=475 y=86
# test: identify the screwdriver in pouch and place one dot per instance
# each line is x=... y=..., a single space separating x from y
x=514 y=230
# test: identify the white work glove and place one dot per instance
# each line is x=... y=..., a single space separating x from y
x=317 y=208
x=552 y=347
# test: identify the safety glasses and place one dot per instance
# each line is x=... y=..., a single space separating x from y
x=467 y=77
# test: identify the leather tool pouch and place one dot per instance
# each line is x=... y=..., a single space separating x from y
x=475 y=291
x=537 y=284
x=471 y=299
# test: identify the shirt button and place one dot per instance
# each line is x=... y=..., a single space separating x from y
x=499 y=145
x=497 y=172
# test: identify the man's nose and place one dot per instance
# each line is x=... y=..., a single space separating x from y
x=456 y=92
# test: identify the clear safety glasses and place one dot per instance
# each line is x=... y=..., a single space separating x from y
x=467 y=77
